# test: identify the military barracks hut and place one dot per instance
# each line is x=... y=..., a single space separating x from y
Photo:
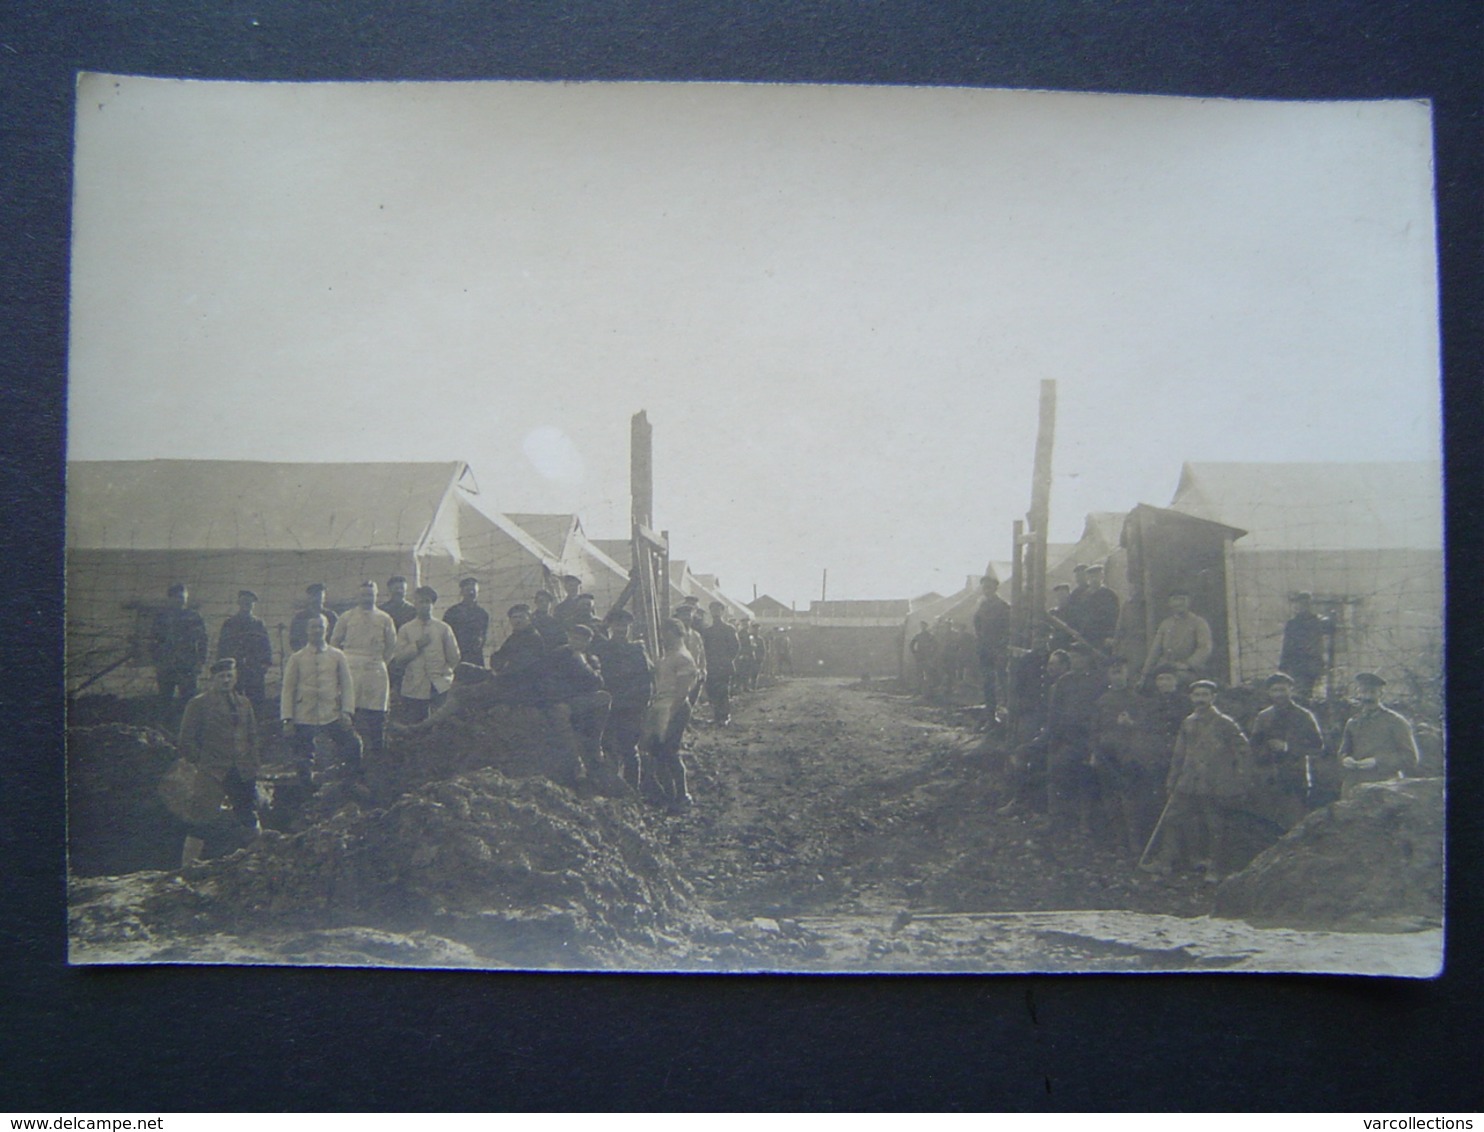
x=135 y=527
x=1366 y=540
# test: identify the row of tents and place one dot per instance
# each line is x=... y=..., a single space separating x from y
x=1364 y=539
x=135 y=527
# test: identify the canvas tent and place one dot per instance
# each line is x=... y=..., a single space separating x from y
x=134 y=527
x=562 y=535
x=1365 y=539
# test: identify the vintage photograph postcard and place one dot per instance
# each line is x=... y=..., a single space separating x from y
x=723 y=527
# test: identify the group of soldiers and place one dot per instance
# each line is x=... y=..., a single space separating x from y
x=1143 y=757
x=624 y=714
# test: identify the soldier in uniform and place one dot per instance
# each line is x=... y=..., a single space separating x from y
x=1128 y=760
x=429 y=653
x=396 y=606
x=244 y=639
x=574 y=688
x=318 y=698
x=368 y=637
x=314 y=606
x=723 y=648
x=924 y=649
x=1303 y=646
x=567 y=608
x=1286 y=741
x=1378 y=744
x=178 y=648
x=1097 y=612
x=1209 y=777
x=470 y=623
x=219 y=734
x=628 y=676
x=664 y=729
x=520 y=663
x=992 y=641
x=544 y=623
x=1070 y=786
x=1183 y=640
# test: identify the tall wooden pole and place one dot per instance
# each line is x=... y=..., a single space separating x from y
x=644 y=559
x=1040 y=512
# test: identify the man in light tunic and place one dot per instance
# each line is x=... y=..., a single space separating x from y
x=430 y=652
x=368 y=637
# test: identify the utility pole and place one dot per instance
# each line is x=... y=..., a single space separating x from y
x=1040 y=513
x=824 y=585
x=649 y=552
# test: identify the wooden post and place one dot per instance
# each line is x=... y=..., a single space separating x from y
x=1017 y=585
x=1040 y=512
x=1233 y=645
x=642 y=556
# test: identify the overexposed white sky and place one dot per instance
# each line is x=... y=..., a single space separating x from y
x=835 y=303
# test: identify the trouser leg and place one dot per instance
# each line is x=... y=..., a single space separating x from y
x=348 y=745
x=719 y=690
x=303 y=752
x=371 y=725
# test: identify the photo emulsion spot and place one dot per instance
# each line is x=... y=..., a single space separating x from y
x=704 y=527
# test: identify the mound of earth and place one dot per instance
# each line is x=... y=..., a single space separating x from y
x=1371 y=862
x=116 y=822
x=521 y=873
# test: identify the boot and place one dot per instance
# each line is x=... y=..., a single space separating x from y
x=190 y=853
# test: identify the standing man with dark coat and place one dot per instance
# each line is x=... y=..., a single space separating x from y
x=177 y=647
x=244 y=639
x=396 y=606
x=992 y=641
x=544 y=623
x=314 y=607
x=1070 y=713
x=1127 y=760
x=1378 y=744
x=628 y=676
x=1210 y=775
x=722 y=649
x=1286 y=743
x=579 y=701
x=1303 y=646
x=568 y=608
x=470 y=623
x=1097 y=613
x=219 y=734
x=520 y=662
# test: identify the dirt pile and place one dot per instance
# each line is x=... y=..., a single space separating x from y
x=116 y=822
x=1372 y=862
x=520 y=872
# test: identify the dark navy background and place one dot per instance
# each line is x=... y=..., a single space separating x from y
x=241 y=1039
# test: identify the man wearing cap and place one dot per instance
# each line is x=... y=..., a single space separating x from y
x=520 y=661
x=1303 y=646
x=318 y=698
x=1073 y=614
x=1056 y=636
x=723 y=647
x=1183 y=640
x=1097 y=612
x=550 y=629
x=628 y=676
x=574 y=688
x=1070 y=714
x=178 y=648
x=396 y=606
x=691 y=618
x=244 y=639
x=1378 y=744
x=567 y=609
x=219 y=734
x=470 y=623
x=430 y=653
x=1128 y=759
x=314 y=606
x=1208 y=778
x=1286 y=743
x=368 y=637
x=924 y=649
x=992 y=640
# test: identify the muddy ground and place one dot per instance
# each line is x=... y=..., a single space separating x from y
x=837 y=826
